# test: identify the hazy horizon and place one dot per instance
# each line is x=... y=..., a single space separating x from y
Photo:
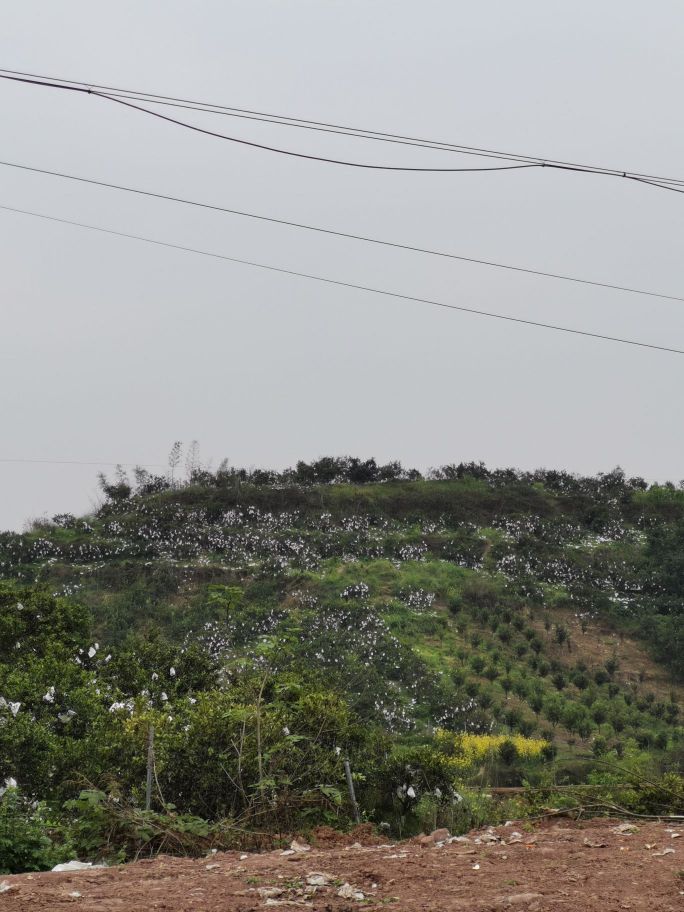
x=111 y=349
x=93 y=497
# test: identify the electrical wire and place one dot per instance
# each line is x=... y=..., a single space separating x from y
x=304 y=155
x=255 y=145
x=342 y=234
x=156 y=465
x=259 y=117
x=323 y=126
x=651 y=183
x=343 y=284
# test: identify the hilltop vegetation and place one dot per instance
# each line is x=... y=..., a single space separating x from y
x=444 y=632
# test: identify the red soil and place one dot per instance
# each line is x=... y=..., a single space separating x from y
x=560 y=866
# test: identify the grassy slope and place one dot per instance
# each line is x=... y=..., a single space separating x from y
x=150 y=562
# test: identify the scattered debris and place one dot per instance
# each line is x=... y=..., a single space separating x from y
x=518 y=838
x=297 y=846
x=346 y=891
x=286 y=902
x=489 y=837
x=435 y=837
x=74 y=866
x=624 y=829
x=561 y=871
x=318 y=879
x=270 y=892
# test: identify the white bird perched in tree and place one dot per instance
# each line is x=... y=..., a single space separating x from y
x=10 y=783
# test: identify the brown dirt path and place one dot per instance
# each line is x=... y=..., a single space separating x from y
x=560 y=866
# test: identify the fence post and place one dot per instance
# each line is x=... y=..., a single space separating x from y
x=350 y=786
x=150 y=767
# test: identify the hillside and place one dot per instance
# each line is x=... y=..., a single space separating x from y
x=345 y=608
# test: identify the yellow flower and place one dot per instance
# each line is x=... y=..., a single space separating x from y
x=467 y=749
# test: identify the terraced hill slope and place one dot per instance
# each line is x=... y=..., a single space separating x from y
x=478 y=601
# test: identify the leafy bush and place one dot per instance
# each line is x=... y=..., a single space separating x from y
x=267 y=623
x=102 y=827
x=24 y=841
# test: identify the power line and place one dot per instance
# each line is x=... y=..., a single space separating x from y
x=303 y=155
x=342 y=284
x=651 y=183
x=255 y=145
x=156 y=465
x=349 y=236
x=360 y=133
x=247 y=114
x=259 y=117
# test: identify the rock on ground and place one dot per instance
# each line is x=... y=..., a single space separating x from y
x=593 y=866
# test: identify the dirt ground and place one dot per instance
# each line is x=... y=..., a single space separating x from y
x=559 y=866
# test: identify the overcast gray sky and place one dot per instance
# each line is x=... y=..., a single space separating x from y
x=111 y=349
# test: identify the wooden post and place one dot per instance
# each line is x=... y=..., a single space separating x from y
x=150 y=767
x=350 y=786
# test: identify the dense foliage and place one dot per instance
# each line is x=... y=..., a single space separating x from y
x=468 y=628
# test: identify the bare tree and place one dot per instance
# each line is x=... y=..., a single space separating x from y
x=174 y=459
x=192 y=459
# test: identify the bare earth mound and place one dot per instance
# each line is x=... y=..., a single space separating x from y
x=598 y=865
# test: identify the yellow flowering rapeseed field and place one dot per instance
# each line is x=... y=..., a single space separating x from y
x=467 y=750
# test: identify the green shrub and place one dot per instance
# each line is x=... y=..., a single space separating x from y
x=508 y=753
x=25 y=836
